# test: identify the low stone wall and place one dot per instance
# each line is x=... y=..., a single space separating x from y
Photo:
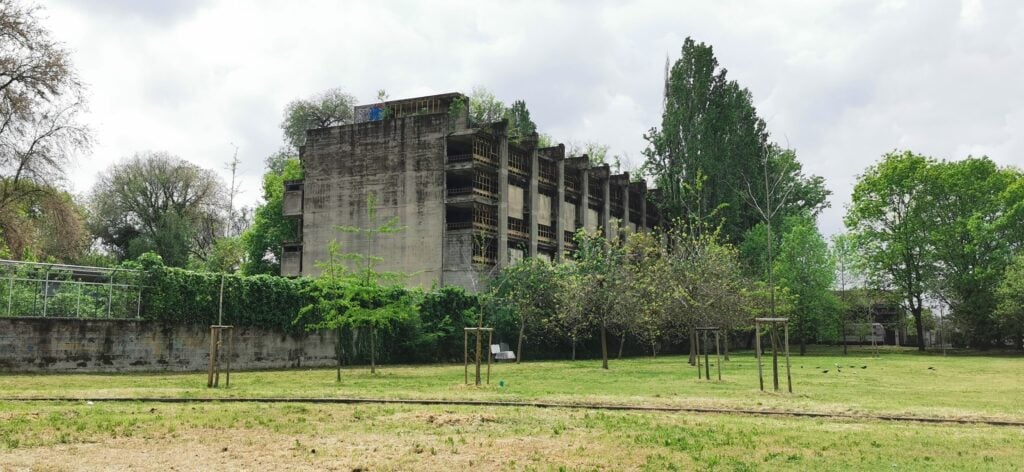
x=63 y=345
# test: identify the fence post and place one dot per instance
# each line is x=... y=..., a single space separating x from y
x=757 y=351
x=110 y=292
x=46 y=292
x=10 y=295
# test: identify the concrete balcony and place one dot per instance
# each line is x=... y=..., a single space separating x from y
x=291 y=259
x=292 y=204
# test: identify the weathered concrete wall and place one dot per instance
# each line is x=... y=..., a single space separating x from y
x=458 y=265
x=55 y=345
x=401 y=161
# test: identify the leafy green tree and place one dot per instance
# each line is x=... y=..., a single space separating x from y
x=965 y=201
x=157 y=202
x=770 y=189
x=227 y=255
x=520 y=126
x=889 y=218
x=646 y=260
x=805 y=267
x=710 y=129
x=44 y=224
x=1010 y=297
x=597 y=287
x=849 y=266
x=701 y=108
x=262 y=240
x=346 y=300
x=702 y=283
x=484 y=107
x=530 y=289
x=352 y=293
x=331 y=107
x=595 y=151
x=443 y=315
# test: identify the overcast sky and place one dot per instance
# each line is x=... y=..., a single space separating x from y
x=841 y=82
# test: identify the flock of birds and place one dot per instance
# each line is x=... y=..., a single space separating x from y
x=839 y=368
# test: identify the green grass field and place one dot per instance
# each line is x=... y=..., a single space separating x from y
x=44 y=435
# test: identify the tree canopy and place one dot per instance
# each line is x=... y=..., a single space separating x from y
x=262 y=241
x=157 y=202
x=41 y=98
x=806 y=269
x=712 y=150
x=331 y=107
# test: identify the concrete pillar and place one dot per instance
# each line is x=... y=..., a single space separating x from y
x=607 y=207
x=643 y=211
x=503 y=200
x=625 y=203
x=585 y=197
x=534 y=200
x=559 y=226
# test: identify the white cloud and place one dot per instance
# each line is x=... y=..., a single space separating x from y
x=840 y=82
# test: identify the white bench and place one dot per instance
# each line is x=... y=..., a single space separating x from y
x=502 y=353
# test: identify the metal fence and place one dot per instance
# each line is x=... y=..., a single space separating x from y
x=32 y=289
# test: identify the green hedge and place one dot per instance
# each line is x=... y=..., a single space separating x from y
x=435 y=334
x=177 y=296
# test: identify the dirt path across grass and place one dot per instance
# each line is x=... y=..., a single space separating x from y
x=579 y=406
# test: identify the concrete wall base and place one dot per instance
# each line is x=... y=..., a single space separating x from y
x=72 y=345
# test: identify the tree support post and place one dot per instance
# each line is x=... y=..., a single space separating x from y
x=696 y=350
x=789 y=376
x=701 y=336
x=479 y=332
x=718 y=356
x=757 y=350
x=216 y=345
x=774 y=337
x=490 y=340
x=707 y=366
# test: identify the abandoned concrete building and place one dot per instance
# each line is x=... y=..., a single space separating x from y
x=470 y=198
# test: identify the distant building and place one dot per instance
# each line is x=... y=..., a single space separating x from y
x=471 y=199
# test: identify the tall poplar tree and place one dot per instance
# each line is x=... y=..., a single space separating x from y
x=710 y=137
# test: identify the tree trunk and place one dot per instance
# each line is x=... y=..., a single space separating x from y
x=373 y=350
x=338 y=349
x=803 y=345
x=842 y=332
x=574 y=347
x=479 y=340
x=654 y=350
x=920 y=327
x=519 y=345
x=693 y=347
x=725 y=344
x=775 y=358
x=622 y=342
x=604 y=347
